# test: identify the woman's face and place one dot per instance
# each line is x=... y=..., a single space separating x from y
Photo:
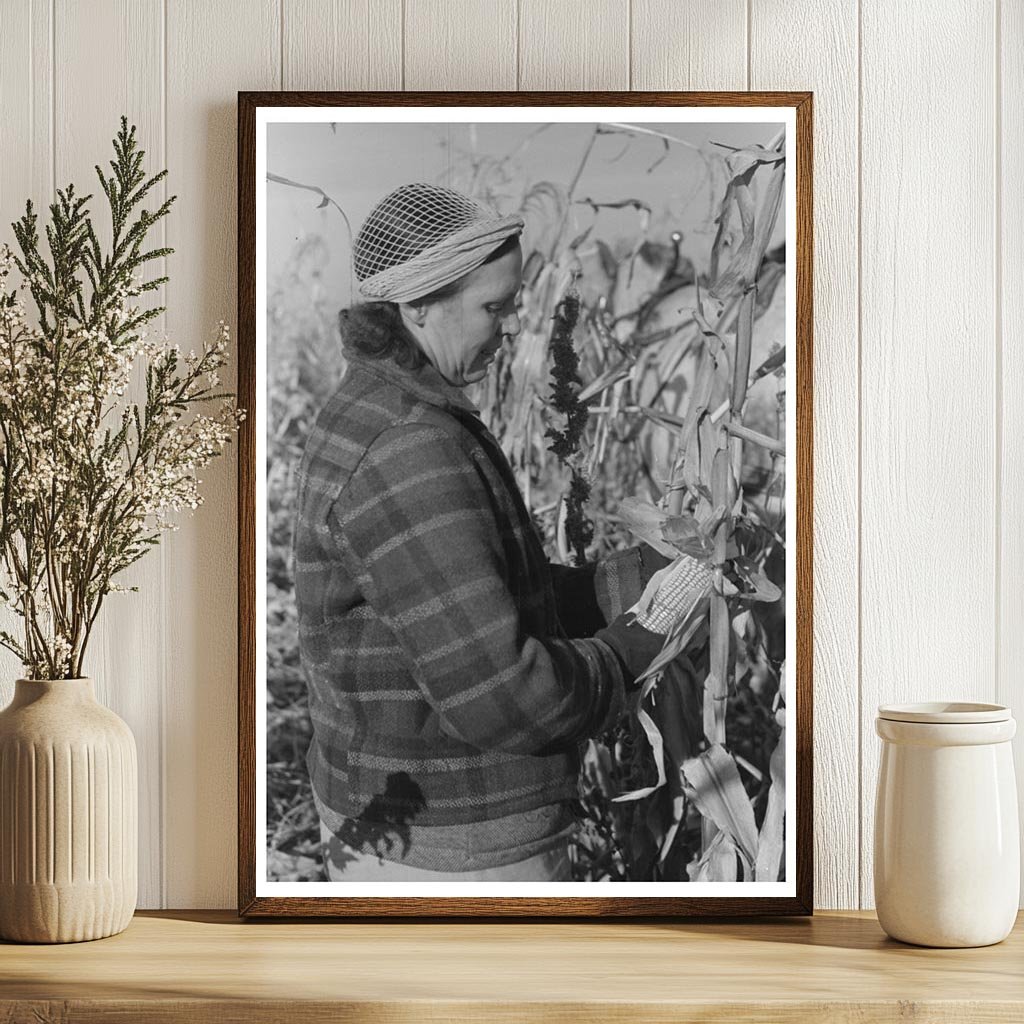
x=461 y=334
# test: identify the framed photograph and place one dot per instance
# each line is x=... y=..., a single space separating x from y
x=525 y=504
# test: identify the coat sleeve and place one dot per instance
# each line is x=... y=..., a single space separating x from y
x=416 y=527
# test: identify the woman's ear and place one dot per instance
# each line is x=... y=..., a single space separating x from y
x=414 y=312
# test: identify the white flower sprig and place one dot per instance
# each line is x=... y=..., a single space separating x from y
x=88 y=478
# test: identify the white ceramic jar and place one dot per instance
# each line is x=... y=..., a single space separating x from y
x=947 y=846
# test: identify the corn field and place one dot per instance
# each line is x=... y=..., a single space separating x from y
x=679 y=376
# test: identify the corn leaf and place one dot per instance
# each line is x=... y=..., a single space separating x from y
x=698 y=406
x=744 y=344
x=645 y=521
x=689 y=536
x=717 y=863
x=772 y=363
x=719 y=795
x=771 y=841
x=619 y=371
x=677 y=713
x=678 y=808
x=675 y=644
x=681 y=634
x=748 y=156
x=737 y=275
x=657 y=752
x=754 y=576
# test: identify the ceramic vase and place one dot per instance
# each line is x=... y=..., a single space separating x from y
x=68 y=815
x=947 y=846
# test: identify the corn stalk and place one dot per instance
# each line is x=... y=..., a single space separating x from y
x=737 y=282
x=698 y=813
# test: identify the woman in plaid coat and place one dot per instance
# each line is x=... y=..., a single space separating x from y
x=453 y=672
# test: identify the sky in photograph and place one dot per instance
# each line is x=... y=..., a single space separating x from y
x=357 y=164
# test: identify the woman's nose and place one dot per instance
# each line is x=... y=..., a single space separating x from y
x=511 y=325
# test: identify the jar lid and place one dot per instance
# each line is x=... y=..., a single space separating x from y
x=945 y=712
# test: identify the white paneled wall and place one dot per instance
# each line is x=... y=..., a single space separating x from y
x=1008 y=272
x=919 y=307
x=929 y=349
x=831 y=71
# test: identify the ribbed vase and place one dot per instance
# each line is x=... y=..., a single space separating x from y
x=68 y=815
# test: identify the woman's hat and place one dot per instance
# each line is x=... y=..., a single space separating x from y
x=421 y=237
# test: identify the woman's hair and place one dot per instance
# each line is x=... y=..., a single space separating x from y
x=375 y=329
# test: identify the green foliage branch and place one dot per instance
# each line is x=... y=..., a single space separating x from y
x=88 y=477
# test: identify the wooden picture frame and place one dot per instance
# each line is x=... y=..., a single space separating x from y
x=260 y=897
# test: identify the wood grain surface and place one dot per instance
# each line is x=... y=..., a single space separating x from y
x=208 y=966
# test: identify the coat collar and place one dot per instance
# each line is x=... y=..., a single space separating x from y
x=426 y=383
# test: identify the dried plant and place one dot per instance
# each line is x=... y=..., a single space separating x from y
x=89 y=478
x=565 y=443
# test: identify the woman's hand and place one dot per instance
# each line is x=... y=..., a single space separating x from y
x=634 y=645
x=651 y=560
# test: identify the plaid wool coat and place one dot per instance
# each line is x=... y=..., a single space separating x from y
x=451 y=671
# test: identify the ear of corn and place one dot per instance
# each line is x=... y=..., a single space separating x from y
x=687 y=580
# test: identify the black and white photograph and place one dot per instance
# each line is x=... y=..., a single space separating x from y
x=525 y=528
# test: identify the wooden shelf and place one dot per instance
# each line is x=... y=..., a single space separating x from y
x=200 y=966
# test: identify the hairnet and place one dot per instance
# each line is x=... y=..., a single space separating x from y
x=421 y=237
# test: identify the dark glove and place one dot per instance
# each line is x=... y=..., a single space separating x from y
x=635 y=646
x=651 y=560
